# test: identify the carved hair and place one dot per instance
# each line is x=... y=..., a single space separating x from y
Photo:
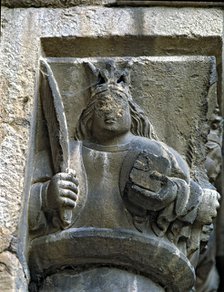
x=140 y=125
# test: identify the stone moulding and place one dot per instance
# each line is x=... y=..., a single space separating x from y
x=70 y=3
x=145 y=253
x=54 y=3
x=170 y=3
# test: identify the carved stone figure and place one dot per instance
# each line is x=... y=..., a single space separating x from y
x=214 y=156
x=207 y=276
x=115 y=206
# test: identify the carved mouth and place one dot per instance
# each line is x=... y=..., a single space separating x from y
x=109 y=120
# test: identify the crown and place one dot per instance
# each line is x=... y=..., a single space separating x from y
x=112 y=77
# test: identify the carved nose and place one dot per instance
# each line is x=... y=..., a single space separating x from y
x=109 y=117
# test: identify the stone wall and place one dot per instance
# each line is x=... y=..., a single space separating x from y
x=34 y=29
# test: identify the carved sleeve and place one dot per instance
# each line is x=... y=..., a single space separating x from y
x=41 y=178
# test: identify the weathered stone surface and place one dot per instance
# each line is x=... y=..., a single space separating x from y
x=170 y=3
x=102 y=279
x=54 y=3
x=144 y=21
x=21 y=31
x=6 y=238
x=17 y=87
x=109 y=120
x=183 y=31
x=67 y=3
x=82 y=21
x=11 y=273
x=127 y=249
x=187 y=97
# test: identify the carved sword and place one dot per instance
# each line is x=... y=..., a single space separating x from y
x=54 y=113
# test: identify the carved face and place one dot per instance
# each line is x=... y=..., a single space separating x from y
x=208 y=206
x=111 y=115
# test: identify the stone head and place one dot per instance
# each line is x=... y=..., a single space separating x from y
x=111 y=107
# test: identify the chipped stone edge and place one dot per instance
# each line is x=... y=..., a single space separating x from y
x=170 y=3
x=55 y=3
x=70 y=3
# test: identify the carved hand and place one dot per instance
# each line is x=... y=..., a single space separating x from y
x=152 y=200
x=62 y=192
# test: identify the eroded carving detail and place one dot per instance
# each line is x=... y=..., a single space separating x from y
x=207 y=275
x=53 y=3
x=131 y=204
x=214 y=147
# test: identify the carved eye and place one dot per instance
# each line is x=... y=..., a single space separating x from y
x=121 y=79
